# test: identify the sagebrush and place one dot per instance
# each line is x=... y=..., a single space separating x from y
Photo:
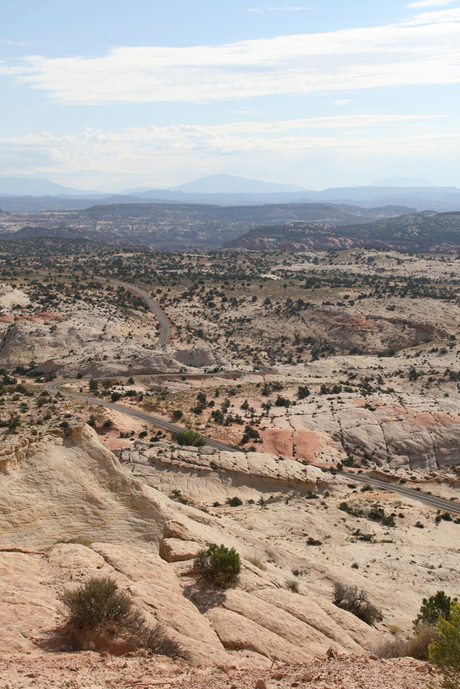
x=415 y=646
x=356 y=601
x=97 y=606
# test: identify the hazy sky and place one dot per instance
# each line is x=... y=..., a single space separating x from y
x=105 y=94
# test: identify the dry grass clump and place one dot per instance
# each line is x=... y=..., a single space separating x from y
x=101 y=616
x=257 y=562
x=415 y=647
x=292 y=585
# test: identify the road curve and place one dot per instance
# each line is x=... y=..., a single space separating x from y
x=55 y=387
x=153 y=306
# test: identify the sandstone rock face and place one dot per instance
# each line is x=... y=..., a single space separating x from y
x=206 y=474
x=71 y=486
x=419 y=434
x=175 y=550
x=91 y=341
x=29 y=604
x=10 y=296
x=200 y=356
x=249 y=628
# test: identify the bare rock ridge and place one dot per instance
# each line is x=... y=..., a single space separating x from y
x=425 y=231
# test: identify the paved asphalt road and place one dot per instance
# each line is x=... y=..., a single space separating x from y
x=55 y=387
x=430 y=500
x=153 y=306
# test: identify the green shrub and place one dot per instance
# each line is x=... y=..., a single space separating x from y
x=353 y=600
x=282 y=401
x=190 y=438
x=98 y=607
x=219 y=564
x=444 y=651
x=234 y=502
x=303 y=392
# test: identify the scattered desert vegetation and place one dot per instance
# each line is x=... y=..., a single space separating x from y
x=317 y=366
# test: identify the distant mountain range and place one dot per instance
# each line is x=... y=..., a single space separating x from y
x=21 y=195
x=23 y=186
x=229 y=184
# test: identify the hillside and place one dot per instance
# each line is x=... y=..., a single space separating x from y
x=298 y=367
x=175 y=227
x=127 y=523
x=426 y=231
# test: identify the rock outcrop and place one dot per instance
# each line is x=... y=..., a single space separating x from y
x=419 y=434
x=71 y=487
x=206 y=474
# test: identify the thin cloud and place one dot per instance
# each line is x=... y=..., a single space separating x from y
x=295 y=8
x=430 y=3
x=156 y=153
x=18 y=43
x=422 y=50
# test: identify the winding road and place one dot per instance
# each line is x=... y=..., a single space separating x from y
x=153 y=306
x=55 y=387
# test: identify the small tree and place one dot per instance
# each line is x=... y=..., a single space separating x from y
x=444 y=651
x=433 y=608
x=234 y=502
x=219 y=564
x=303 y=392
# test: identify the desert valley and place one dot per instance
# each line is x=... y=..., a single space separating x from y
x=320 y=387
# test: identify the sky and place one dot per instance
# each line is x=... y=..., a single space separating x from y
x=108 y=95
